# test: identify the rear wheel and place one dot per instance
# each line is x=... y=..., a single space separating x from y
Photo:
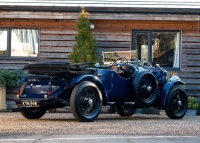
x=176 y=103
x=31 y=114
x=145 y=89
x=125 y=110
x=86 y=101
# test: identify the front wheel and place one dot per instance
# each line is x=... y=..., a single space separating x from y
x=86 y=101
x=33 y=114
x=176 y=103
x=125 y=110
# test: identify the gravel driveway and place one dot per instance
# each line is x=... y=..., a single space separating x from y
x=106 y=124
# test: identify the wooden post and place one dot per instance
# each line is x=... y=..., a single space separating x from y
x=3 y=105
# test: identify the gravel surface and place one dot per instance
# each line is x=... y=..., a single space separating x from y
x=106 y=124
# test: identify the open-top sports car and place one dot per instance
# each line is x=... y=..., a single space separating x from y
x=123 y=85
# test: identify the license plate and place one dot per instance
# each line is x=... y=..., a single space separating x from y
x=31 y=103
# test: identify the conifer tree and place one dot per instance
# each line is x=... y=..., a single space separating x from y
x=84 y=49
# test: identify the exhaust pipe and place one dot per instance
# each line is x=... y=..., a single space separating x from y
x=26 y=109
x=17 y=110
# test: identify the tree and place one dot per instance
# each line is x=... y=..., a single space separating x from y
x=84 y=49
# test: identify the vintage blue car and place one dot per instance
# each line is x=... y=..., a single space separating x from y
x=123 y=85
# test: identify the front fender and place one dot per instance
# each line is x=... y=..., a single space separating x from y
x=94 y=79
x=166 y=90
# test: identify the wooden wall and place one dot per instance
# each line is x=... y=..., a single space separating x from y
x=190 y=63
x=57 y=37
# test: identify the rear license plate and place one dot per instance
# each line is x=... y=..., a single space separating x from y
x=31 y=103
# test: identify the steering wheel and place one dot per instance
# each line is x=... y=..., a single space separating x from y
x=119 y=62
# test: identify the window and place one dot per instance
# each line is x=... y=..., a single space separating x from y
x=18 y=43
x=3 y=41
x=157 y=47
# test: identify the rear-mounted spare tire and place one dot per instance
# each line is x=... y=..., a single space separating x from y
x=145 y=89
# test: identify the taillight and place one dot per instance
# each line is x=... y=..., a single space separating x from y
x=49 y=93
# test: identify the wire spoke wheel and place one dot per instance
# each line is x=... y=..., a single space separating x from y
x=86 y=101
x=145 y=89
x=176 y=103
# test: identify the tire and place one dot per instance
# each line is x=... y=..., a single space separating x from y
x=31 y=114
x=176 y=103
x=145 y=89
x=86 y=101
x=125 y=110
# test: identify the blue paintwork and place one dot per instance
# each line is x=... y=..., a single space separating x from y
x=35 y=90
x=104 y=76
x=77 y=79
x=112 y=82
x=21 y=80
x=121 y=87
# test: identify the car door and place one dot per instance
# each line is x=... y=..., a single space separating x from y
x=121 y=87
x=105 y=76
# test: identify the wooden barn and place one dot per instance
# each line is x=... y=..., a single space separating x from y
x=164 y=32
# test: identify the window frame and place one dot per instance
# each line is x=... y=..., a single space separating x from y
x=8 y=55
x=149 y=32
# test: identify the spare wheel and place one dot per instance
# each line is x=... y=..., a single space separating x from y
x=145 y=89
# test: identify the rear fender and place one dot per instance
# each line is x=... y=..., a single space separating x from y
x=21 y=80
x=93 y=79
x=166 y=90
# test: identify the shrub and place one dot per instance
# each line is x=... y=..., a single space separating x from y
x=192 y=104
x=9 y=77
x=84 y=49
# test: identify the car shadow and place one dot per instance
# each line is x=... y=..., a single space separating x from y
x=135 y=117
x=109 y=117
